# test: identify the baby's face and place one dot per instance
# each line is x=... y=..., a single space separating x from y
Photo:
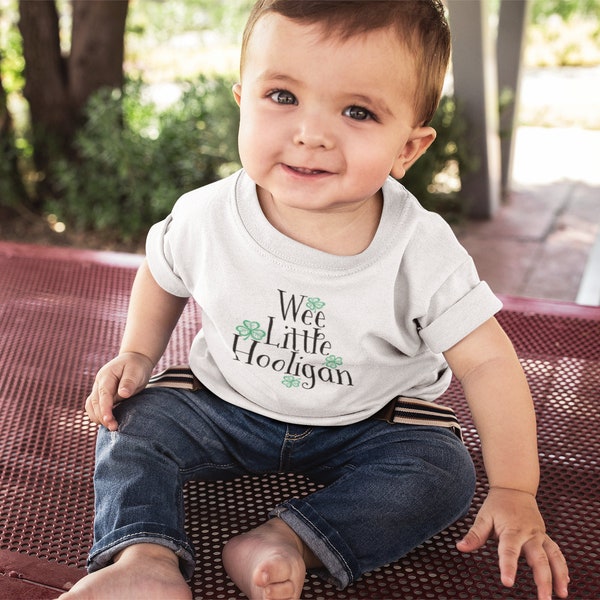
x=324 y=121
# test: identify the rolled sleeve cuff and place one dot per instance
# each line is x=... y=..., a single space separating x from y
x=160 y=260
x=461 y=319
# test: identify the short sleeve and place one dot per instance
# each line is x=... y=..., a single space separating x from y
x=461 y=318
x=160 y=259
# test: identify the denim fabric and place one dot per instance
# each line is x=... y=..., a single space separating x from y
x=388 y=487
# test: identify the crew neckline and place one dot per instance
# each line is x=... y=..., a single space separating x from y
x=285 y=249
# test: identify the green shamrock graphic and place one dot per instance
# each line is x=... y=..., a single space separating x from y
x=333 y=362
x=251 y=329
x=289 y=381
x=314 y=304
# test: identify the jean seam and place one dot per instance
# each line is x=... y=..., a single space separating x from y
x=285 y=453
x=124 y=538
x=295 y=437
x=223 y=466
x=324 y=539
x=182 y=549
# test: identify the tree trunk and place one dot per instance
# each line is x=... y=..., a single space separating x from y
x=97 y=48
x=46 y=87
x=57 y=88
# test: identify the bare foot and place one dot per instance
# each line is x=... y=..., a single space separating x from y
x=269 y=562
x=140 y=572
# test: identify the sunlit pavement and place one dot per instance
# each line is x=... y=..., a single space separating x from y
x=540 y=241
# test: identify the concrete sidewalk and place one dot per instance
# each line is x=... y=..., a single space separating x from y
x=541 y=240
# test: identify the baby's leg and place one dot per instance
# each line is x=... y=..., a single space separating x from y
x=139 y=572
x=268 y=562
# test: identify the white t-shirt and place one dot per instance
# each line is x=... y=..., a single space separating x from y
x=307 y=337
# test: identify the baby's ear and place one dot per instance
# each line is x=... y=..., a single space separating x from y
x=237 y=92
x=418 y=142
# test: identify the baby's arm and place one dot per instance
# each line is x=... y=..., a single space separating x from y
x=499 y=398
x=152 y=315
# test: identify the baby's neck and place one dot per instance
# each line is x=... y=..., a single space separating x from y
x=343 y=233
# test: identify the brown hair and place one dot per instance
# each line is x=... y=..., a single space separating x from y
x=420 y=26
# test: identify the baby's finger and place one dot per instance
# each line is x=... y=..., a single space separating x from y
x=509 y=551
x=537 y=559
x=106 y=401
x=132 y=380
x=477 y=535
x=559 y=567
x=92 y=404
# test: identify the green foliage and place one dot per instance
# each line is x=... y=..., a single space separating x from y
x=542 y=9
x=12 y=63
x=15 y=147
x=134 y=161
x=564 y=33
x=435 y=178
x=161 y=20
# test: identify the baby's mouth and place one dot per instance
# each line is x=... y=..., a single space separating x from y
x=305 y=171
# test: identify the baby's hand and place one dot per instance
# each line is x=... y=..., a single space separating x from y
x=513 y=518
x=117 y=380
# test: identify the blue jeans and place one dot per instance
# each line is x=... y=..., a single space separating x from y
x=388 y=487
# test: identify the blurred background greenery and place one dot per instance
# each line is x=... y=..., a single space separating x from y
x=171 y=124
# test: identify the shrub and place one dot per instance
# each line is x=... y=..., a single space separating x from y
x=566 y=9
x=134 y=161
x=435 y=178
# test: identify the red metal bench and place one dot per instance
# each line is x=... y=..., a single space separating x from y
x=61 y=316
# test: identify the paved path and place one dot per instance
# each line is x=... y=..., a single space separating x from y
x=541 y=240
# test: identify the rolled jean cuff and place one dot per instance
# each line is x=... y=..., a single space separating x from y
x=103 y=552
x=324 y=541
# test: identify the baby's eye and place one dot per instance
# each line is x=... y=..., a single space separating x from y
x=358 y=113
x=283 y=97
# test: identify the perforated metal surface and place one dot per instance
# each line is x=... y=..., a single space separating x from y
x=61 y=317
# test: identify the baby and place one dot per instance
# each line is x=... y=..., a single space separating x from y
x=333 y=306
